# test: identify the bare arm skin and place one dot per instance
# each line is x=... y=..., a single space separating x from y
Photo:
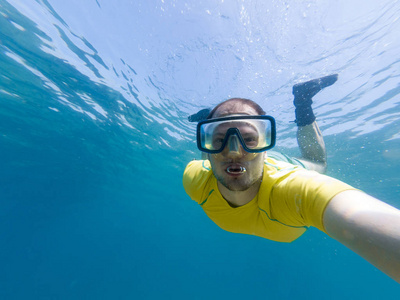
x=312 y=147
x=369 y=227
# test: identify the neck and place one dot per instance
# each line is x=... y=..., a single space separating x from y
x=239 y=198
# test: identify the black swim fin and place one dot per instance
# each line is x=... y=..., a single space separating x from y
x=309 y=89
x=303 y=93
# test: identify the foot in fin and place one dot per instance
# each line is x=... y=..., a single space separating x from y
x=310 y=88
x=303 y=93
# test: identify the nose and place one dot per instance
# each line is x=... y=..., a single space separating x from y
x=233 y=147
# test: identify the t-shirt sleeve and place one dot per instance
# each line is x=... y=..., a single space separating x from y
x=300 y=198
x=195 y=178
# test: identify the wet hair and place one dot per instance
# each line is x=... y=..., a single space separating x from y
x=238 y=102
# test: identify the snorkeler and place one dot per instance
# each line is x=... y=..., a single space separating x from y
x=245 y=191
x=309 y=137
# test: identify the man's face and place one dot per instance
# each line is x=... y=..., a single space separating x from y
x=229 y=165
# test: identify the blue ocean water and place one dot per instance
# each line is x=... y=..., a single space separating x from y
x=94 y=99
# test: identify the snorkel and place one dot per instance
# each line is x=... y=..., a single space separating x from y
x=233 y=145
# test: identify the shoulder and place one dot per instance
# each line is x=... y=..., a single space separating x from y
x=298 y=178
x=196 y=168
x=275 y=171
x=195 y=178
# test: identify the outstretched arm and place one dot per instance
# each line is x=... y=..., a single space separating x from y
x=369 y=227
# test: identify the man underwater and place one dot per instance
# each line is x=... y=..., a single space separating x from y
x=244 y=190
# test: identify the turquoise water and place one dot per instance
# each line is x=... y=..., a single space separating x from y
x=94 y=98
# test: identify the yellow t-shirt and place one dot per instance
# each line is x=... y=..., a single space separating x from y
x=289 y=200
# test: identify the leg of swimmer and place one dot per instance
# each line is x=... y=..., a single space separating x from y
x=312 y=147
x=309 y=137
x=303 y=93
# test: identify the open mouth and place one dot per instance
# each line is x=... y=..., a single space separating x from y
x=236 y=170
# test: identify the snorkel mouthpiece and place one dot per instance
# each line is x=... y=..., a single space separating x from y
x=236 y=170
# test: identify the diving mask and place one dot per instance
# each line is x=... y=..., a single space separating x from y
x=255 y=133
